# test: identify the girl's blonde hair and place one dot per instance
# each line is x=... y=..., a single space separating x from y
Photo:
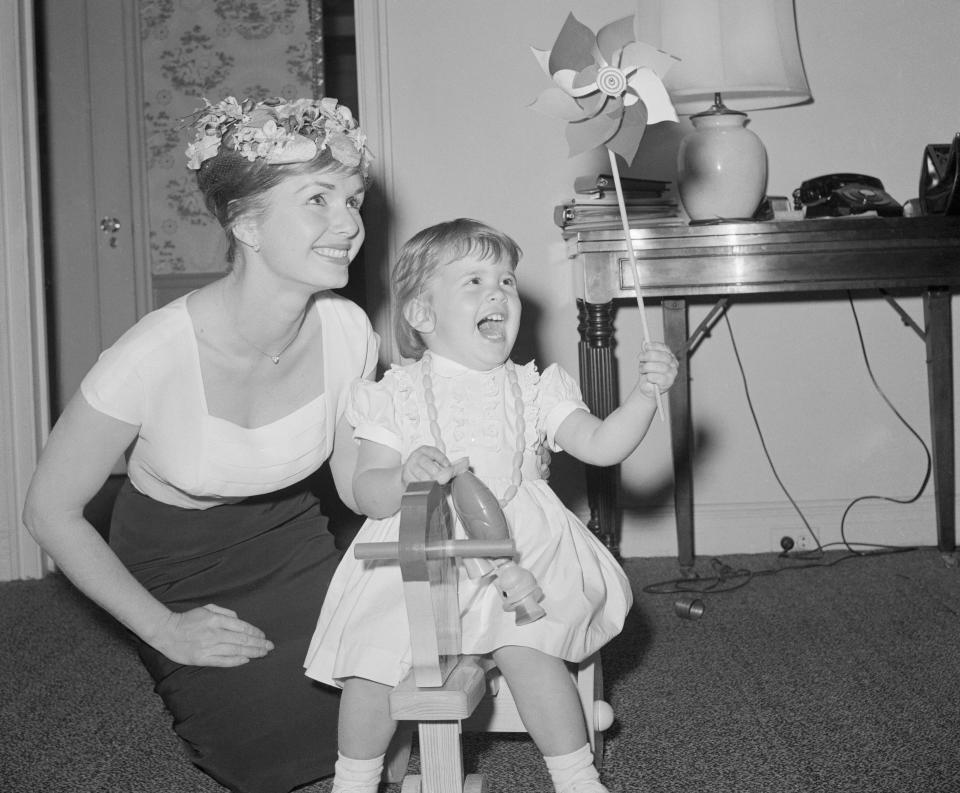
x=426 y=252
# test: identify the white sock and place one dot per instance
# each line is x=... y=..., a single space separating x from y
x=357 y=776
x=567 y=770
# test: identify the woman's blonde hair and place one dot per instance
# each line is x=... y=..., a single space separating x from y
x=425 y=253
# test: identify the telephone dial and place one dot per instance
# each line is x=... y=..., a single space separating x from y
x=838 y=194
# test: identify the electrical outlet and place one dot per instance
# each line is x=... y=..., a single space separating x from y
x=802 y=541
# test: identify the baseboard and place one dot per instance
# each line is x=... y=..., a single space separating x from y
x=757 y=527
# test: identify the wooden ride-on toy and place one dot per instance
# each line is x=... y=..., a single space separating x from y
x=442 y=688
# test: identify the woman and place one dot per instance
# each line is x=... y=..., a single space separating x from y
x=225 y=401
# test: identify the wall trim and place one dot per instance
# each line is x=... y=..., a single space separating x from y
x=137 y=157
x=374 y=113
x=169 y=286
x=746 y=528
x=24 y=393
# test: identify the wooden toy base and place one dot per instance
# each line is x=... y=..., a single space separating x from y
x=443 y=689
x=439 y=712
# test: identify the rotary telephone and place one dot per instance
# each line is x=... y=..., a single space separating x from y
x=838 y=194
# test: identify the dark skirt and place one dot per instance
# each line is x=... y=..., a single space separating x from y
x=263 y=727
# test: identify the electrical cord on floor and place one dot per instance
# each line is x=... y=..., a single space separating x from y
x=728 y=579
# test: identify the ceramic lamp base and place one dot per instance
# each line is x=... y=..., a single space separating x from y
x=721 y=167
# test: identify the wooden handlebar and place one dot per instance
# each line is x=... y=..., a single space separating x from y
x=439 y=550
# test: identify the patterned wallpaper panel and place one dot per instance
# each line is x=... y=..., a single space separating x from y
x=211 y=48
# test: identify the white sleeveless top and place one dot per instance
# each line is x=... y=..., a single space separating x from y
x=185 y=457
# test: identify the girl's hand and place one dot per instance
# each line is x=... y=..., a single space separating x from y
x=210 y=636
x=658 y=369
x=429 y=464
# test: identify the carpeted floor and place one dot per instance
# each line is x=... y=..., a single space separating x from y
x=827 y=679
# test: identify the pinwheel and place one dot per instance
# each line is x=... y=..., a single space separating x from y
x=608 y=86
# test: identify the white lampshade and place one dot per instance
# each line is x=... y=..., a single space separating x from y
x=734 y=56
x=746 y=50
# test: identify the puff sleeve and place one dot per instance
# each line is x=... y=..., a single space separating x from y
x=559 y=396
x=371 y=412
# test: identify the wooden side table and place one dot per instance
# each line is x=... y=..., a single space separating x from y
x=681 y=264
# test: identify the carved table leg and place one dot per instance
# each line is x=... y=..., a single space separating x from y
x=598 y=382
x=675 y=333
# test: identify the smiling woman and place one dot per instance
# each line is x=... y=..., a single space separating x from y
x=229 y=399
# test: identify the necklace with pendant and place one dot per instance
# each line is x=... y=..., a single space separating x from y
x=520 y=440
x=275 y=357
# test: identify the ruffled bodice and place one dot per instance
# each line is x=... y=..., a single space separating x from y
x=476 y=414
x=362 y=630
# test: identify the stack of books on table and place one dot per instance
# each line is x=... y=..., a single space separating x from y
x=595 y=204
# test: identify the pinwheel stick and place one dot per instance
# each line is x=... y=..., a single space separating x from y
x=633 y=261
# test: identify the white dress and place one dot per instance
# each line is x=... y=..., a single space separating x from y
x=362 y=629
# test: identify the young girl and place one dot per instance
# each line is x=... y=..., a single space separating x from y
x=458 y=312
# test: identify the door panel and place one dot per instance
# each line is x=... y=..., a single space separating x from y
x=97 y=280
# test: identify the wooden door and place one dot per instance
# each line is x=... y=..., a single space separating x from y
x=91 y=134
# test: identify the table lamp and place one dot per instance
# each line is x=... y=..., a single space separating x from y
x=744 y=53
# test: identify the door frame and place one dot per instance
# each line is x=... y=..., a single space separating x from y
x=381 y=244
x=24 y=402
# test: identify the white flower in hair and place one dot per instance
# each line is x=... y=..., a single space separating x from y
x=277 y=131
x=294 y=149
x=203 y=148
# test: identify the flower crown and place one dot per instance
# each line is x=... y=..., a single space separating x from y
x=278 y=131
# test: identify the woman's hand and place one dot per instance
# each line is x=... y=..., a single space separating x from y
x=210 y=636
x=429 y=464
x=658 y=368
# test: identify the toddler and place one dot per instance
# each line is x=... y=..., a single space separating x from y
x=458 y=313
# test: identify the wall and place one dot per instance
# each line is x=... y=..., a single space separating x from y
x=460 y=140
x=193 y=51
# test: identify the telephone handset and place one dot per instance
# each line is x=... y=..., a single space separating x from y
x=841 y=194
